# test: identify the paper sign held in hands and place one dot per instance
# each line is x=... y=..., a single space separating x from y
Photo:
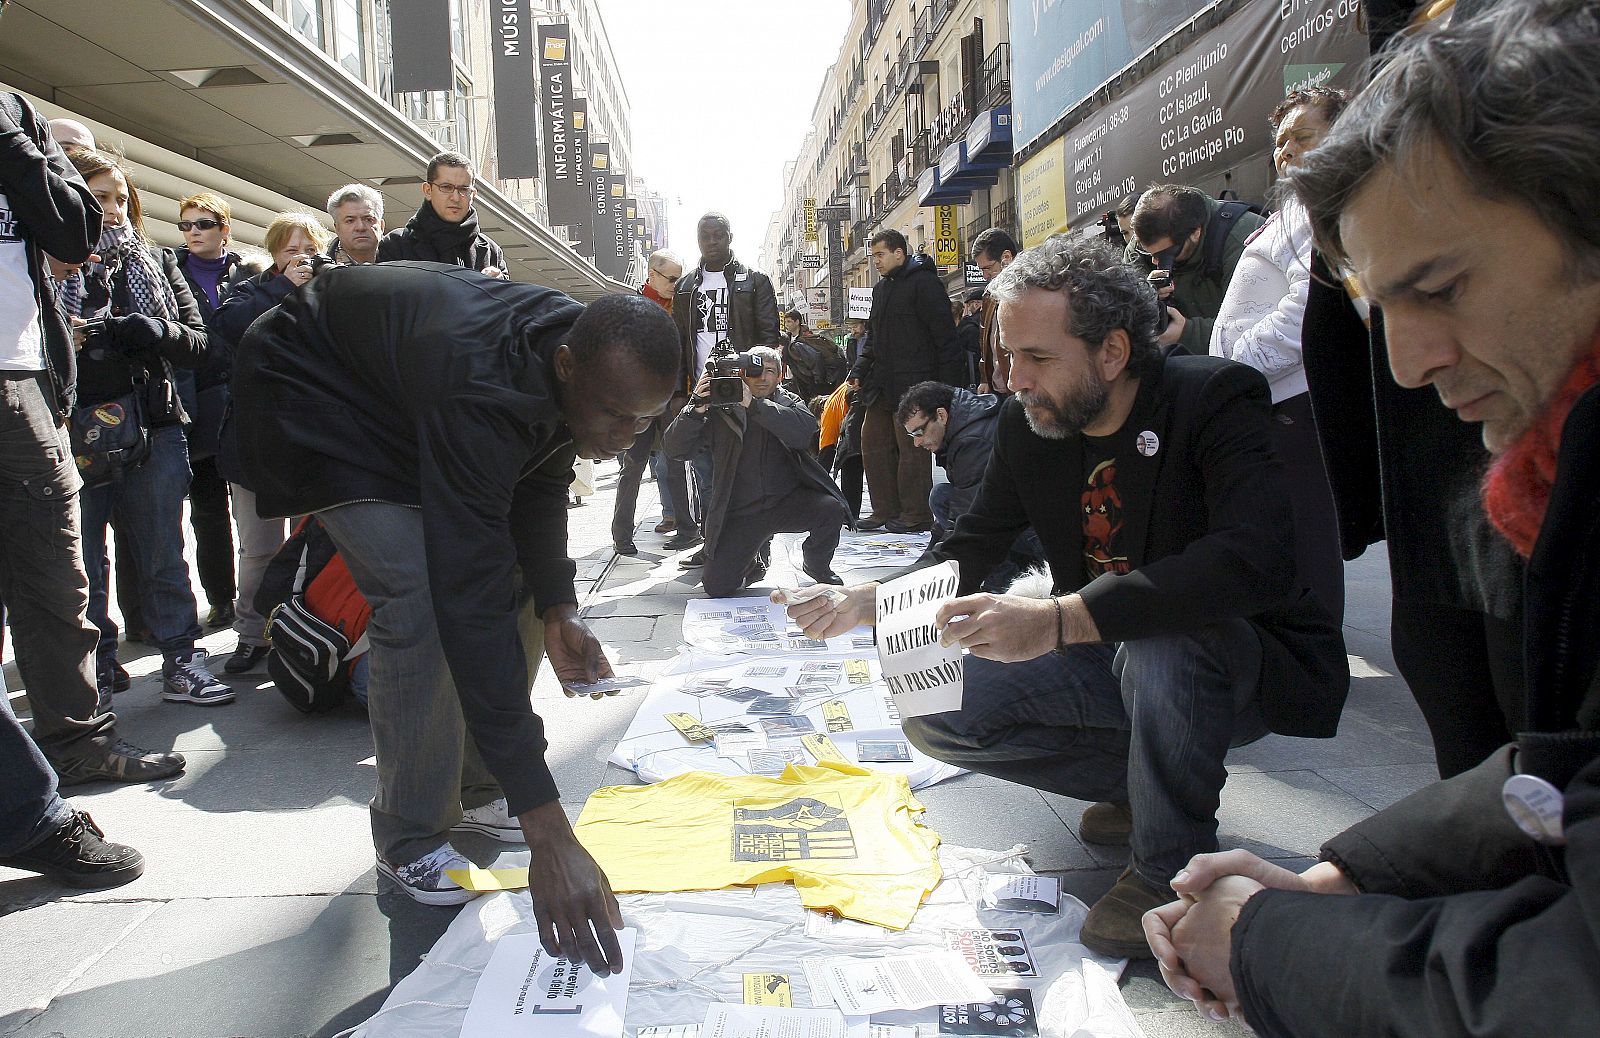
x=923 y=676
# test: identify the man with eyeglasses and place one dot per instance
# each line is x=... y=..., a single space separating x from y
x=1188 y=244
x=957 y=427
x=445 y=228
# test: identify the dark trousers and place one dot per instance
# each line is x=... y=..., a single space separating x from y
x=213 y=531
x=802 y=510
x=676 y=490
x=899 y=474
x=848 y=477
x=1317 y=553
x=42 y=578
x=30 y=808
x=1465 y=672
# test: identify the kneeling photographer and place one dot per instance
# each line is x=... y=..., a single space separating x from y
x=760 y=435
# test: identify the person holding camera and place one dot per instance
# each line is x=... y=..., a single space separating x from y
x=296 y=242
x=761 y=436
x=1188 y=244
x=136 y=320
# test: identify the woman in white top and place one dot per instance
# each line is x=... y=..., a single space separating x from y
x=1259 y=324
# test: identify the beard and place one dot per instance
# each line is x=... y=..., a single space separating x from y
x=1058 y=419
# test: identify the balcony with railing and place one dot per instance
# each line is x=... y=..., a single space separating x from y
x=994 y=78
x=922 y=34
x=941 y=11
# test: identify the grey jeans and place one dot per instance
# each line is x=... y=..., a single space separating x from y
x=429 y=769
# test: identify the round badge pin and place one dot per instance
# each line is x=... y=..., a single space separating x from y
x=1536 y=806
x=1147 y=443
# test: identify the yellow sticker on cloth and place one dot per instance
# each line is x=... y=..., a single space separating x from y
x=837 y=715
x=690 y=728
x=487 y=881
x=767 y=989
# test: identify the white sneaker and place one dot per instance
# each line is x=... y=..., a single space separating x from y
x=424 y=879
x=493 y=820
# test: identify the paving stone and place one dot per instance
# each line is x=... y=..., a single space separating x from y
x=975 y=811
x=43 y=944
x=1381 y=787
x=618 y=629
x=638 y=605
x=1284 y=813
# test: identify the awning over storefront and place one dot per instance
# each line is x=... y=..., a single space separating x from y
x=989 y=136
x=931 y=191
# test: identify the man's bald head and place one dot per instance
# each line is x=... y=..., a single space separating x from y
x=70 y=133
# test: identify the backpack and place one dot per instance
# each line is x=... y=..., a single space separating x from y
x=1218 y=228
x=316 y=620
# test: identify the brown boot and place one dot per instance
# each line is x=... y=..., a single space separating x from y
x=1107 y=823
x=1112 y=927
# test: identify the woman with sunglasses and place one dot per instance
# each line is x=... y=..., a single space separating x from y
x=151 y=324
x=296 y=242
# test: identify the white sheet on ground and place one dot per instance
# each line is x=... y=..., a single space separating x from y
x=693 y=949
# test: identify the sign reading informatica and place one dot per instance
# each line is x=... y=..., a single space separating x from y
x=563 y=193
x=511 y=38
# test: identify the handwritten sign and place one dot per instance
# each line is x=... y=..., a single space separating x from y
x=923 y=676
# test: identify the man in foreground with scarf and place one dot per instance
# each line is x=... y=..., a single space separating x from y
x=1459 y=189
x=445 y=229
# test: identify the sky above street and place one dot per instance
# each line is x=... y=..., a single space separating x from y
x=721 y=92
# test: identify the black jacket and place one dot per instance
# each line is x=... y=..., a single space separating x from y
x=427 y=237
x=722 y=428
x=969 y=336
x=54 y=213
x=1198 y=288
x=1207 y=529
x=1483 y=931
x=238 y=271
x=752 y=313
x=815 y=366
x=429 y=386
x=107 y=369
x=911 y=336
x=968 y=442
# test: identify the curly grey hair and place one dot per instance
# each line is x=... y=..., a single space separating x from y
x=356 y=193
x=1511 y=96
x=1103 y=293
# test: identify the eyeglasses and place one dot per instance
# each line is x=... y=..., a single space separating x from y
x=205 y=225
x=454 y=190
x=920 y=431
x=670 y=277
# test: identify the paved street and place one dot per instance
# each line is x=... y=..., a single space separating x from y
x=260 y=913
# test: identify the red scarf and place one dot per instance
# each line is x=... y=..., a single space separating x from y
x=665 y=302
x=1516 y=491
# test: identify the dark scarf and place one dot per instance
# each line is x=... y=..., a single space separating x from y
x=444 y=242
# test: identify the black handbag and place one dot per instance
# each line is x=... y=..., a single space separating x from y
x=110 y=439
x=308 y=662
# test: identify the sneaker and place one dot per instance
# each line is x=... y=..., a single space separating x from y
x=493 y=820
x=667 y=525
x=187 y=679
x=1107 y=823
x=424 y=880
x=697 y=559
x=78 y=854
x=629 y=548
x=221 y=616
x=122 y=761
x=246 y=658
x=119 y=677
x=1113 y=928
x=684 y=539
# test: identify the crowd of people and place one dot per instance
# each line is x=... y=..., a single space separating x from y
x=1187 y=425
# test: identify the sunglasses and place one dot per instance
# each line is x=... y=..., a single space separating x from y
x=205 y=225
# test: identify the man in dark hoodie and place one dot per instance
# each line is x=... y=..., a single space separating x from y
x=445 y=229
x=430 y=417
x=911 y=339
x=956 y=426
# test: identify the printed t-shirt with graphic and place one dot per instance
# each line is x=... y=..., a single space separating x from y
x=1103 y=550
x=848 y=838
x=711 y=310
x=21 y=335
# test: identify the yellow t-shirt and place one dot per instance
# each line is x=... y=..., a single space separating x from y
x=848 y=838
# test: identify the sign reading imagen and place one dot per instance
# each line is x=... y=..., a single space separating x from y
x=923 y=676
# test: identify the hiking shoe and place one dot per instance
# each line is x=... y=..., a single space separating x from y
x=682 y=540
x=1107 y=823
x=246 y=658
x=896 y=526
x=667 y=525
x=187 y=679
x=871 y=523
x=629 y=548
x=122 y=761
x=1112 y=927
x=77 y=853
x=697 y=559
x=221 y=616
x=424 y=880
x=492 y=820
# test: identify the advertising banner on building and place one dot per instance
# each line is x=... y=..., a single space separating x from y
x=581 y=230
x=811 y=219
x=511 y=39
x=561 y=188
x=946 y=236
x=1063 y=50
x=600 y=204
x=632 y=225
x=616 y=245
x=419 y=34
x=1042 y=194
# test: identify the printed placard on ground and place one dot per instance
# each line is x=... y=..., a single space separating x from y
x=526 y=990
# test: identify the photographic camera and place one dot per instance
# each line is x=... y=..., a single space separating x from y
x=727 y=377
x=92 y=334
x=1160 y=278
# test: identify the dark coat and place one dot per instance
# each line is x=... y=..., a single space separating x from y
x=55 y=213
x=969 y=336
x=783 y=415
x=1197 y=290
x=968 y=442
x=815 y=366
x=752 y=313
x=1487 y=931
x=428 y=237
x=911 y=335
x=429 y=386
x=238 y=272
x=1207 y=528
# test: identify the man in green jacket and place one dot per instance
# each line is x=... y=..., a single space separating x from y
x=1187 y=235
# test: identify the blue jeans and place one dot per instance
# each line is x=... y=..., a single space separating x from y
x=700 y=464
x=29 y=805
x=149 y=502
x=658 y=471
x=1147 y=723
